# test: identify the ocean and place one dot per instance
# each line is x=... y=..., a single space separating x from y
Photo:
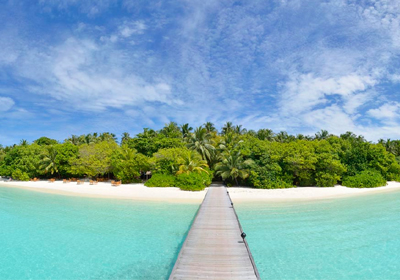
x=47 y=236
x=342 y=238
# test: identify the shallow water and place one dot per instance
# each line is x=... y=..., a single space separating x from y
x=46 y=236
x=346 y=238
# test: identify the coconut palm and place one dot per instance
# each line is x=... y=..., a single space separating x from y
x=171 y=130
x=265 y=134
x=233 y=167
x=192 y=162
x=209 y=126
x=74 y=139
x=282 y=137
x=323 y=134
x=228 y=127
x=125 y=138
x=48 y=160
x=24 y=142
x=186 y=130
x=201 y=142
x=239 y=130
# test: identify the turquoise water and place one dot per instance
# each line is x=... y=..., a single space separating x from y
x=347 y=238
x=44 y=236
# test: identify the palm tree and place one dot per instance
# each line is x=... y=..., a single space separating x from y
x=106 y=136
x=147 y=133
x=228 y=127
x=233 y=166
x=74 y=139
x=192 y=162
x=265 y=134
x=282 y=137
x=323 y=134
x=48 y=160
x=200 y=141
x=24 y=142
x=239 y=130
x=229 y=141
x=171 y=130
x=125 y=138
x=251 y=133
x=209 y=126
x=186 y=130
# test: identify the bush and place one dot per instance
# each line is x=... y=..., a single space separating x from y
x=365 y=179
x=326 y=179
x=193 y=181
x=262 y=178
x=20 y=176
x=161 y=180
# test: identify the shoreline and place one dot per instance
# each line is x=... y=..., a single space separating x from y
x=139 y=192
x=242 y=194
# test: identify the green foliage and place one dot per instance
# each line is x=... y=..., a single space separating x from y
x=328 y=169
x=66 y=153
x=20 y=176
x=167 y=161
x=44 y=141
x=127 y=164
x=233 y=166
x=263 y=178
x=161 y=180
x=93 y=159
x=25 y=158
x=192 y=162
x=261 y=159
x=364 y=179
x=201 y=142
x=193 y=181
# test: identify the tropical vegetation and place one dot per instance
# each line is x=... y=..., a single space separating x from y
x=190 y=158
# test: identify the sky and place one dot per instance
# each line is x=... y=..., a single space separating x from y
x=82 y=66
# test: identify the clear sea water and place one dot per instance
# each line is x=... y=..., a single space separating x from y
x=346 y=238
x=45 y=236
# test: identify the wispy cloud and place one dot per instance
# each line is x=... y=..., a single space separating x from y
x=295 y=65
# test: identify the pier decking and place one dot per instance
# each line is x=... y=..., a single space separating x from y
x=214 y=248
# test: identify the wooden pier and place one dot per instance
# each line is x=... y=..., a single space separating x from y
x=214 y=248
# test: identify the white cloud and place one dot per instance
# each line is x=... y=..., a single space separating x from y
x=127 y=29
x=6 y=104
x=388 y=112
x=88 y=76
x=304 y=92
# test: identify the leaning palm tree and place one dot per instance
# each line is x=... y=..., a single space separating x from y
x=201 y=142
x=192 y=162
x=233 y=167
x=49 y=160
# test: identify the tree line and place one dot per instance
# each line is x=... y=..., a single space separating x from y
x=190 y=158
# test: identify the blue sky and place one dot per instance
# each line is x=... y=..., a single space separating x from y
x=75 y=66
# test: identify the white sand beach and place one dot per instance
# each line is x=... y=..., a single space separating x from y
x=304 y=193
x=105 y=190
x=238 y=194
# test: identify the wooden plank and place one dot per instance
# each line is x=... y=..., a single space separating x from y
x=214 y=248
